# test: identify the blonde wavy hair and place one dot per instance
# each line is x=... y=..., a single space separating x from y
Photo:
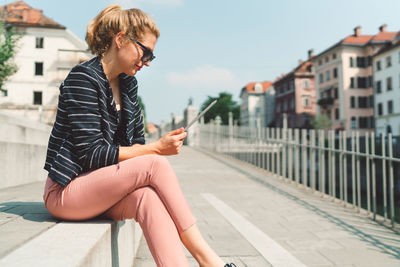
x=112 y=20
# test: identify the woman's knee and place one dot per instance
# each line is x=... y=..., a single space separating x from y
x=149 y=202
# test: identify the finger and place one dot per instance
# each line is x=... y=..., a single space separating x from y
x=180 y=136
x=177 y=131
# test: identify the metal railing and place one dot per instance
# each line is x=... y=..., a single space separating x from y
x=359 y=170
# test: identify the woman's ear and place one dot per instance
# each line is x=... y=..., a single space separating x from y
x=119 y=39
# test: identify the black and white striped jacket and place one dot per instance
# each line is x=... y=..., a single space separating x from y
x=84 y=134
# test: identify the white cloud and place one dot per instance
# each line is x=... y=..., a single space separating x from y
x=140 y=3
x=207 y=78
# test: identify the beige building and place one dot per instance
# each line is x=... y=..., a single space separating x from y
x=254 y=100
x=46 y=53
x=343 y=79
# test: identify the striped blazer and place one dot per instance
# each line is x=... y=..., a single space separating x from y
x=84 y=136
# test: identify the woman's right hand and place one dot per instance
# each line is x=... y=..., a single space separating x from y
x=171 y=143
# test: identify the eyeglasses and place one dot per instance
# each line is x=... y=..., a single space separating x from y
x=147 y=53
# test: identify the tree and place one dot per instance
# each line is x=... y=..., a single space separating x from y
x=224 y=105
x=321 y=122
x=8 y=48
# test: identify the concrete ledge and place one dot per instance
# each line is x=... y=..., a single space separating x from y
x=20 y=130
x=21 y=163
x=80 y=244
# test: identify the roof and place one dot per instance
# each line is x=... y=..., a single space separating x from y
x=250 y=87
x=20 y=14
x=362 y=40
x=387 y=48
x=304 y=68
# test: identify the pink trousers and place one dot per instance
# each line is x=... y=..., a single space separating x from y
x=144 y=188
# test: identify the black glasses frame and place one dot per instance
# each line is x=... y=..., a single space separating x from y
x=148 y=55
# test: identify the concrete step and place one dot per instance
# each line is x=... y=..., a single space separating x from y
x=29 y=236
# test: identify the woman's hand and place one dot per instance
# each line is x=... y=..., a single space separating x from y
x=171 y=143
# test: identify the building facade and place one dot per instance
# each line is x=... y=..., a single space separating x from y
x=295 y=96
x=344 y=84
x=46 y=53
x=254 y=103
x=386 y=66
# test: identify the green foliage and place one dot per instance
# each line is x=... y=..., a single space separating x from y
x=321 y=122
x=8 y=45
x=222 y=108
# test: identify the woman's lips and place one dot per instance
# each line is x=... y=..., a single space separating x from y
x=138 y=68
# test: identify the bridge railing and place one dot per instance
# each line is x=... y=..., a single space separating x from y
x=359 y=169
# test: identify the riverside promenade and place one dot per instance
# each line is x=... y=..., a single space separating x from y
x=254 y=219
x=249 y=216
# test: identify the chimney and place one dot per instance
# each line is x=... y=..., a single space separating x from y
x=24 y=15
x=310 y=53
x=383 y=28
x=357 y=31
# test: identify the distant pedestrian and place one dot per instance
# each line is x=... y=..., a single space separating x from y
x=99 y=165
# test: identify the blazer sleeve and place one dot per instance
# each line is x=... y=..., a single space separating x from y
x=80 y=92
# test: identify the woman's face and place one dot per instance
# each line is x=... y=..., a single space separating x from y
x=130 y=54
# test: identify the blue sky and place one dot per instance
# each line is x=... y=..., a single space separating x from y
x=210 y=46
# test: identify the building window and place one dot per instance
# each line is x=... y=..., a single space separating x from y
x=334 y=56
x=369 y=82
x=352 y=102
x=353 y=123
x=4 y=92
x=39 y=68
x=378 y=87
x=306 y=101
x=369 y=61
x=321 y=78
x=362 y=82
x=319 y=62
x=328 y=75
x=336 y=113
x=352 y=85
x=291 y=85
x=388 y=62
x=363 y=102
x=37 y=98
x=371 y=101
x=351 y=62
x=39 y=42
x=278 y=107
x=306 y=83
x=363 y=122
x=378 y=65
x=326 y=59
x=389 y=83
x=292 y=103
x=380 y=110
x=390 y=106
x=335 y=73
x=361 y=62
x=336 y=93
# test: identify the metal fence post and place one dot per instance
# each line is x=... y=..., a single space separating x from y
x=367 y=159
x=312 y=159
x=304 y=157
x=391 y=182
x=353 y=169
x=290 y=157
x=296 y=154
x=358 y=172
x=373 y=175
x=384 y=175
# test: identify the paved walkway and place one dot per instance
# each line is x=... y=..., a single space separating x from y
x=253 y=219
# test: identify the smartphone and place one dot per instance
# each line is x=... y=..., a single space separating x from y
x=200 y=115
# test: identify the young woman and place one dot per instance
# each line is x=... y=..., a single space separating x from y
x=97 y=159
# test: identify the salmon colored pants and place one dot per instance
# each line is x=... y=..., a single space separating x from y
x=144 y=188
